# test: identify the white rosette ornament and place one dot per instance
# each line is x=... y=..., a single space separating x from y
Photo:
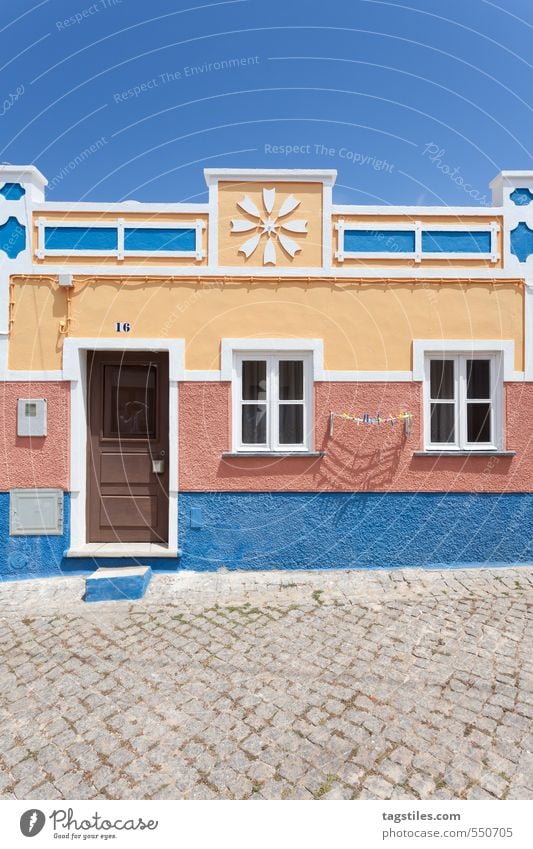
x=270 y=227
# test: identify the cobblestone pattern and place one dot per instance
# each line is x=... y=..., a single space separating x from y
x=350 y=685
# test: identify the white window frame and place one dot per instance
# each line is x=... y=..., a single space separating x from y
x=461 y=443
x=272 y=444
x=120 y=225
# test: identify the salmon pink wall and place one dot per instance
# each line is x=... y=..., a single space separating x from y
x=35 y=461
x=364 y=458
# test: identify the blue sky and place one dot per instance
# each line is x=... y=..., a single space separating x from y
x=415 y=102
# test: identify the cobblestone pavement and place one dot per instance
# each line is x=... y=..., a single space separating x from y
x=390 y=685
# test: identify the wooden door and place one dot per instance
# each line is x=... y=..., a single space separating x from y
x=127 y=473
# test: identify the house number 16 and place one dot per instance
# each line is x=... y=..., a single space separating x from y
x=123 y=327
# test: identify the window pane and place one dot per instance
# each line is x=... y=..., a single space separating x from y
x=254 y=380
x=291 y=424
x=131 y=395
x=441 y=377
x=254 y=424
x=442 y=423
x=291 y=380
x=478 y=378
x=478 y=422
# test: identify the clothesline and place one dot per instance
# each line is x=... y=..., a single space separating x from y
x=378 y=419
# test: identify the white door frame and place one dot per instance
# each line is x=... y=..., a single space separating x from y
x=75 y=370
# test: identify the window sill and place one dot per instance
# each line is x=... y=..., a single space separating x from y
x=462 y=453
x=229 y=454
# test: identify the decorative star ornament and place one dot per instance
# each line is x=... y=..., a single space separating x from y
x=269 y=226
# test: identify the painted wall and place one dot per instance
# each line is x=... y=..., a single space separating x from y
x=310 y=209
x=364 y=458
x=31 y=556
x=364 y=325
x=35 y=461
x=352 y=530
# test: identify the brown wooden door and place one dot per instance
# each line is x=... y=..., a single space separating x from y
x=127 y=501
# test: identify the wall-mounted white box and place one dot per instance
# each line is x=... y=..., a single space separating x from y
x=31 y=417
x=35 y=511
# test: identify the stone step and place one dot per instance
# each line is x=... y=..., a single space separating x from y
x=122 y=583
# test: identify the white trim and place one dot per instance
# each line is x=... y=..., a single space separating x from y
x=366 y=377
x=528 y=329
x=229 y=347
x=418 y=228
x=74 y=369
x=272 y=403
x=416 y=211
x=421 y=347
x=120 y=207
x=120 y=225
x=283 y=175
x=460 y=402
x=202 y=375
x=208 y=273
x=327 y=235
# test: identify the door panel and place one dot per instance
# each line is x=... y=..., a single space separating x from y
x=128 y=429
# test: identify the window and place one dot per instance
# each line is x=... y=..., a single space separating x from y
x=272 y=400
x=463 y=402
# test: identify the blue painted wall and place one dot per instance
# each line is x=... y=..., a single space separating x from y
x=80 y=238
x=280 y=530
x=351 y=530
x=451 y=241
x=31 y=556
x=379 y=241
x=159 y=239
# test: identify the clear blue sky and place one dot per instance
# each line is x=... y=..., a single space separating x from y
x=362 y=86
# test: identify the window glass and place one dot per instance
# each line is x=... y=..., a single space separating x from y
x=254 y=424
x=291 y=380
x=478 y=423
x=291 y=424
x=131 y=395
x=443 y=423
x=478 y=378
x=442 y=379
x=254 y=380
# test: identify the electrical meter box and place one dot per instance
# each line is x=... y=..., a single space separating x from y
x=31 y=417
x=35 y=512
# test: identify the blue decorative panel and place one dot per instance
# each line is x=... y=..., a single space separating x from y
x=12 y=191
x=281 y=530
x=12 y=237
x=522 y=241
x=159 y=239
x=452 y=241
x=379 y=241
x=521 y=197
x=80 y=239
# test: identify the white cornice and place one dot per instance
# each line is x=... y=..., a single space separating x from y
x=298 y=175
x=459 y=211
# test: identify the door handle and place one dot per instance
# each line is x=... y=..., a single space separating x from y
x=158 y=467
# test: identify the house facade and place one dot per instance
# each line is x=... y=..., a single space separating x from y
x=265 y=380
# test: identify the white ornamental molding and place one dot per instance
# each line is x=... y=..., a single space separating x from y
x=269 y=225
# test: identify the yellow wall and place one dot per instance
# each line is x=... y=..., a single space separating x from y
x=365 y=325
x=310 y=209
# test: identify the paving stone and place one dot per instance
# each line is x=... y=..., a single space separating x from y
x=399 y=685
